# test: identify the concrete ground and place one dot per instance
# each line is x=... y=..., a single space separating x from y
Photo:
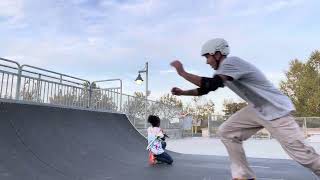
x=256 y=148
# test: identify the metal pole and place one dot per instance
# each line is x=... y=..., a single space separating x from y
x=305 y=127
x=120 y=95
x=146 y=106
x=18 y=83
x=19 y=68
x=90 y=95
x=38 y=88
x=209 y=118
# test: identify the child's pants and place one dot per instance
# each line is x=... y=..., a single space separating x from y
x=164 y=157
x=245 y=123
x=163 y=144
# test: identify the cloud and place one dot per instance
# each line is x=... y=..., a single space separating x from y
x=104 y=39
x=262 y=8
x=167 y=71
x=278 y=5
x=14 y=57
x=12 y=13
x=141 y=8
x=11 y=8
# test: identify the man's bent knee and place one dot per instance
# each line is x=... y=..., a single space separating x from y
x=227 y=135
x=222 y=132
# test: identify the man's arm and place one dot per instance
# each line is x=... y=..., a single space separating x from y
x=180 y=92
x=194 y=79
x=191 y=92
x=197 y=80
x=206 y=85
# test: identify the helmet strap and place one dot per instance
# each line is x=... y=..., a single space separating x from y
x=217 y=61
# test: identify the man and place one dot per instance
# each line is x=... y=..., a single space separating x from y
x=268 y=108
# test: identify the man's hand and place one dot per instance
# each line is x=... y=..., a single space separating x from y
x=178 y=66
x=176 y=91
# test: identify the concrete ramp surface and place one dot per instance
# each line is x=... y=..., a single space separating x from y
x=50 y=143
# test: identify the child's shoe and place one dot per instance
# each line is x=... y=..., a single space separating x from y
x=152 y=159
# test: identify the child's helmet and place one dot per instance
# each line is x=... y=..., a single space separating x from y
x=214 y=45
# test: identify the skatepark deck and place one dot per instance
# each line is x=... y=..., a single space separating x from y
x=40 y=142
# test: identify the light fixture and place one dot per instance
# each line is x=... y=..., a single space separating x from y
x=139 y=79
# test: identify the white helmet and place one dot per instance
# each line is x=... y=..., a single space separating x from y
x=214 y=45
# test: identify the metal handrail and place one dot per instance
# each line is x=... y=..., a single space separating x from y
x=52 y=77
x=107 y=80
x=9 y=66
x=60 y=74
x=48 y=81
x=11 y=61
x=19 y=74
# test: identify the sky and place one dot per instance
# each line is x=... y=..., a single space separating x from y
x=106 y=39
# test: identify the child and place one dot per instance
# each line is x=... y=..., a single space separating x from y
x=156 y=138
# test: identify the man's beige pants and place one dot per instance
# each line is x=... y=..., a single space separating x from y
x=245 y=123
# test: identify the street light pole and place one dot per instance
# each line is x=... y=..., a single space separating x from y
x=139 y=80
x=146 y=103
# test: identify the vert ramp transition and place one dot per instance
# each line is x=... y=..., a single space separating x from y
x=40 y=142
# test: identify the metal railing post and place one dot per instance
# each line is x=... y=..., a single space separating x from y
x=90 y=95
x=305 y=126
x=118 y=104
x=120 y=95
x=18 y=83
x=19 y=68
x=209 y=118
x=38 y=89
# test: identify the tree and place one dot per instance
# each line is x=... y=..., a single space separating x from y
x=134 y=108
x=231 y=107
x=63 y=98
x=79 y=97
x=70 y=96
x=170 y=100
x=203 y=108
x=200 y=108
x=104 y=102
x=302 y=85
x=30 y=91
x=168 y=108
x=102 y=98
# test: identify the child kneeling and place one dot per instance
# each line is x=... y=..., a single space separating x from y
x=156 y=141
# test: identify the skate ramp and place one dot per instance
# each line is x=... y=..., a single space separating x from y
x=51 y=143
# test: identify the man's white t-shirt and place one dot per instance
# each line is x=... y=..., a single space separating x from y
x=251 y=85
